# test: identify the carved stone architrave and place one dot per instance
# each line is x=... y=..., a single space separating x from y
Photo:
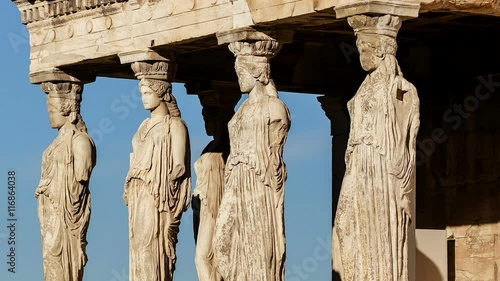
x=218 y=108
x=58 y=75
x=250 y=222
x=370 y=235
x=63 y=192
x=158 y=184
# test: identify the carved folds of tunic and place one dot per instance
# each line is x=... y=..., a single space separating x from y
x=249 y=241
x=370 y=236
x=63 y=193
x=158 y=184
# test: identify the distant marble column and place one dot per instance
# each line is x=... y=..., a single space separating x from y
x=249 y=241
x=158 y=184
x=63 y=192
x=218 y=108
x=371 y=230
x=339 y=130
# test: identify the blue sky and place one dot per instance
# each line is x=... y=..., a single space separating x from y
x=26 y=133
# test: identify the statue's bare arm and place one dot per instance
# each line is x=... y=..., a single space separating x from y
x=84 y=158
x=280 y=121
x=179 y=147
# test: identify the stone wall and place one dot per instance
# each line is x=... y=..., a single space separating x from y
x=459 y=174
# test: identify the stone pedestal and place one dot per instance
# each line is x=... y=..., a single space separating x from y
x=431 y=262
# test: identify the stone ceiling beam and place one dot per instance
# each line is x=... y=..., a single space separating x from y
x=57 y=75
x=71 y=35
x=480 y=7
x=401 y=8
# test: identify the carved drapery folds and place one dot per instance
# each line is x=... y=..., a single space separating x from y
x=63 y=192
x=218 y=108
x=370 y=236
x=249 y=240
x=158 y=184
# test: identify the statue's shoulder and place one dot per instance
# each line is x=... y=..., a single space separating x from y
x=144 y=123
x=275 y=101
x=177 y=123
x=82 y=138
x=278 y=109
x=83 y=144
x=411 y=90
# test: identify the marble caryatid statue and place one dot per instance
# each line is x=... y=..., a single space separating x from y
x=249 y=241
x=370 y=235
x=158 y=184
x=63 y=193
x=218 y=108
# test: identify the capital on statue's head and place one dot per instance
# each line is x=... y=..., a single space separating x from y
x=64 y=90
x=267 y=48
x=387 y=25
x=159 y=70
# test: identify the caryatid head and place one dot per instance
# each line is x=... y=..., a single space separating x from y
x=155 y=85
x=376 y=38
x=63 y=102
x=252 y=62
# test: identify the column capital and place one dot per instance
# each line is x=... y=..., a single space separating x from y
x=156 y=70
x=402 y=8
x=336 y=111
x=57 y=75
x=219 y=100
x=65 y=92
x=386 y=25
x=214 y=94
x=149 y=64
x=253 y=34
x=249 y=41
x=264 y=49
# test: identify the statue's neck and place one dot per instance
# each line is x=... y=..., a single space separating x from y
x=258 y=92
x=378 y=72
x=68 y=126
x=160 y=111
